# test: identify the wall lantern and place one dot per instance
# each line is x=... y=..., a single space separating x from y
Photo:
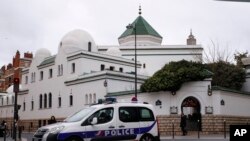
x=105 y=83
x=173 y=110
x=209 y=110
x=222 y=102
x=173 y=92
x=209 y=90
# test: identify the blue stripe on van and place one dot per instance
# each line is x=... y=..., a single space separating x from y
x=106 y=133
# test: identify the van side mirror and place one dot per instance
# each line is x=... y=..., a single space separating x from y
x=94 y=121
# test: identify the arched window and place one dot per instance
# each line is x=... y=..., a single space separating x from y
x=41 y=101
x=32 y=105
x=94 y=98
x=50 y=100
x=45 y=100
x=89 y=46
x=90 y=98
x=71 y=100
x=59 y=101
x=24 y=106
x=86 y=99
x=61 y=69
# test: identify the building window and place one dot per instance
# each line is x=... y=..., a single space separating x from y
x=89 y=46
x=111 y=68
x=102 y=67
x=2 y=101
x=70 y=100
x=86 y=99
x=73 y=68
x=9 y=79
x=144 y=65
x=32 y=105
x=94 y=98
x=90 y=98
x=24 y=104
x=121 y=69
x=7 y=100
x=59 y=101
x=41 y=75
x=50 y=100
x=31 y=79
x=61 y=69
x=13 y=99
x=41 y=101
x=50 y=73
x=26 y=79
x=45 y=100
x=34 y=77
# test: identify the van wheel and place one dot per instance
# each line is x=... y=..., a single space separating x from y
x=147 y=137
x=74 y=139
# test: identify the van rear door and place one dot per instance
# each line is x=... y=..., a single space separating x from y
x=127 y=122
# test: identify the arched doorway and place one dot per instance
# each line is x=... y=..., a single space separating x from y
x=191 y=108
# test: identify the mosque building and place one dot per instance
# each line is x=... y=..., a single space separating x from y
x=82 y=73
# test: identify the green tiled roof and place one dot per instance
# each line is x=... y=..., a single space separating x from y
x=48 y=60
x=142 y=28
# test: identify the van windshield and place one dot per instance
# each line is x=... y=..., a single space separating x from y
x=79 y=115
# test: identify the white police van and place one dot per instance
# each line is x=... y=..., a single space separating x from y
x=104 y=122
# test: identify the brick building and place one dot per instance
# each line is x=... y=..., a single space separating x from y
x=12 y=70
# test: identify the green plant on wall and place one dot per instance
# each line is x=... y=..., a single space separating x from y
x=174 y=74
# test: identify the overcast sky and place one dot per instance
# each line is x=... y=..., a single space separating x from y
x=28 y=25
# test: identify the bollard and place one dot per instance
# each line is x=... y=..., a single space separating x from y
x=4 y=135
x=225 y=134
x=173 y=129
x=19 y=132
x=11 y=131
x=198 y=129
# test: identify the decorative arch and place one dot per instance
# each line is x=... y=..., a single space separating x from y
x=50 y=100
x=191 y=107
x=45 y=100
x=41 y=101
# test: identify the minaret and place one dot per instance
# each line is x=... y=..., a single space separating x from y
x=145 y=33
x=191 y=39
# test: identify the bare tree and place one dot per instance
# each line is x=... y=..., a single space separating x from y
x=215 y=53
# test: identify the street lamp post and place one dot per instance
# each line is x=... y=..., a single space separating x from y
x=130 y=26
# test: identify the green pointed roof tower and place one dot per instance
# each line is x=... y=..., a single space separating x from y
x=145 y=33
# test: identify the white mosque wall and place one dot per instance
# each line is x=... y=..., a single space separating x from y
x=246 y=84
x=196 y=89
x=235 y=104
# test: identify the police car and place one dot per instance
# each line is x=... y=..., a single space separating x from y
x=104 y=122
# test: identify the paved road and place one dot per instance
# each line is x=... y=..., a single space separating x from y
x=28 y=137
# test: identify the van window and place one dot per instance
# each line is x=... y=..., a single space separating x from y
x=128 y=114
x=146 y=114
x=79 y=115
x=103 y=116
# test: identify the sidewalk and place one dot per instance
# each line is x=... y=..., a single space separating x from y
x=195 y=136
